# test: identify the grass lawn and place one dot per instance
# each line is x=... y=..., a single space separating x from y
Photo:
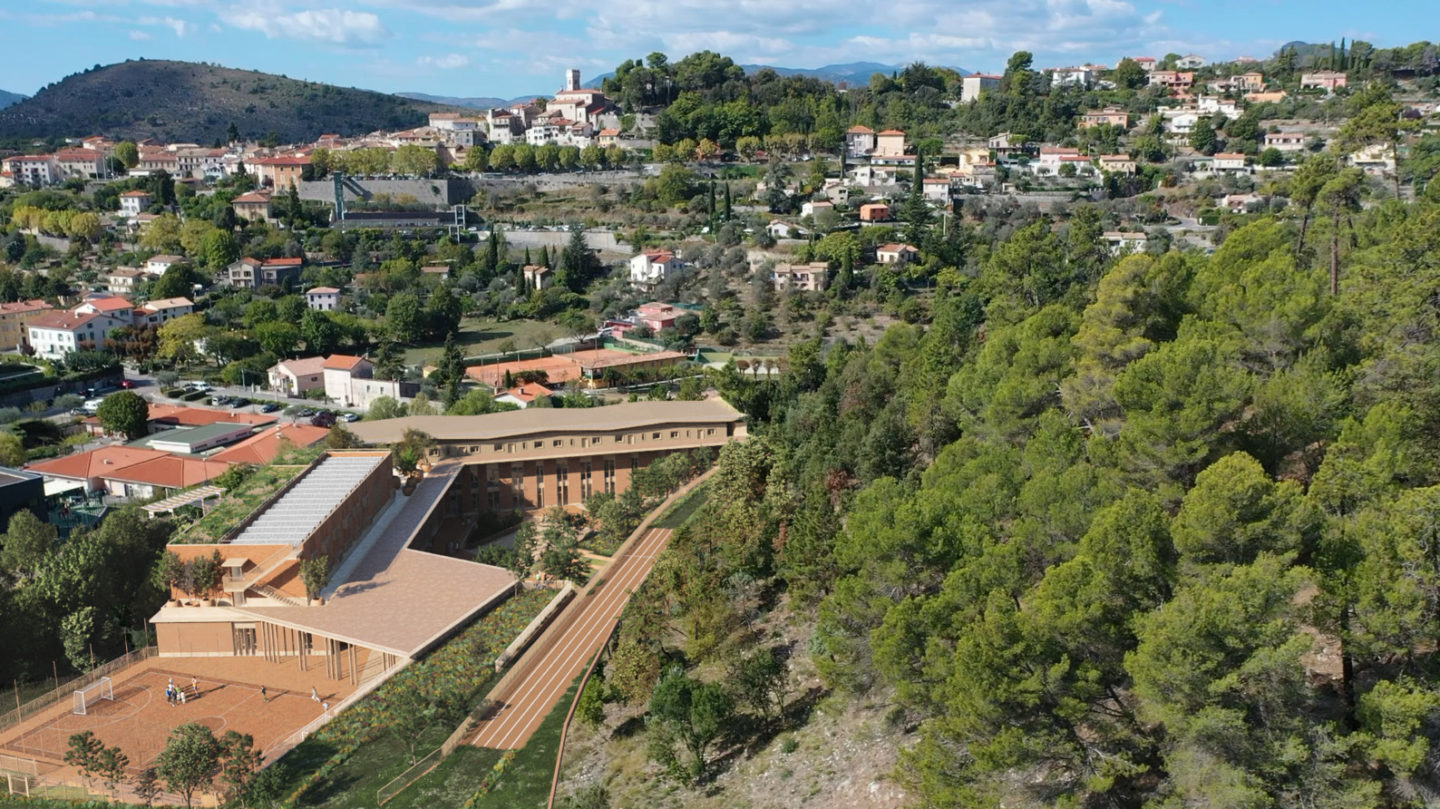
x=681 y=511
x=485 y=336
x=525 y=784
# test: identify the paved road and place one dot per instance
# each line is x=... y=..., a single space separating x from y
x=552 y=664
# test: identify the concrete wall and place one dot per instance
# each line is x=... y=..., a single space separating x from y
x=207 y=639
x=602 y=240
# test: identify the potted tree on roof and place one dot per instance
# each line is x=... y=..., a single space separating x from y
x=411 y=455
x=205 y=577
x=315 y=574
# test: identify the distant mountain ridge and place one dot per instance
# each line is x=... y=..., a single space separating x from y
x=478 y=103
x=7 y=98
x=192 y=102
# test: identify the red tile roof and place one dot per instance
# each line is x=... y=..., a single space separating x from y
x=343 y=362
x=182 y=416
x=136 y=194
x=115 y=304
x=264 y=446
x=528 y=392
x=97 y=463
x=323 y=291
x=21 y=307
x=64 y=321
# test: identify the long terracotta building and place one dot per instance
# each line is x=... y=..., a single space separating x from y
x=536 y=458
x=388 y=599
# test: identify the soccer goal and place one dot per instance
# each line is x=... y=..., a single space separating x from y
x=100 y=689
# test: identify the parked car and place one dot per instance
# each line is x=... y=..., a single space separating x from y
x=127 y=384
x=239 y=402
x=326 y=419
x=308 y=412
x=350 y=417
x=220 y=400
x=269 y=407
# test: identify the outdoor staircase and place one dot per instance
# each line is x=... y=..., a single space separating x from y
x=270 y=592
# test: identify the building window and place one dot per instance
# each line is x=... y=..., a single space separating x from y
x=634 y=466
x=517 y=485
x=585 y=469
x=562 y=482
x=557 y=443
x=539 y=484
x=655 y=436
x=674 y=434
x=609 y=475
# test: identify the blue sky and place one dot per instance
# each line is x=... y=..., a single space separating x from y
x=513 y=47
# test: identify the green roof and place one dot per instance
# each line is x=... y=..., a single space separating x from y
x=194 y=435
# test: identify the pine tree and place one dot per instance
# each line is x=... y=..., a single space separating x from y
x=727 y=202
x=917 y=213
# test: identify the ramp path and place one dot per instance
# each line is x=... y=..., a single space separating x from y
x=547 y=670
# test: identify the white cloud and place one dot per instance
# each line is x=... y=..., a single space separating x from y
x=972 y=33
x=139 y=36
x=332 y=25
x=450 y=61
x=182 y=28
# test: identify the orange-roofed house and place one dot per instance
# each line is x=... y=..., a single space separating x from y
x=168 y=416
x=323 y=299
x=15 y=318
x=608 y=138
x=95 y=467
x=658 y=316
x=162 y=476
x=254 y=206
x=265 y=446
x=86 y=164
x=254 y=273
x=107 y=305
x=898 y=254
x=654 y=266
x=874 y=212
x=55 y=334
x=523 y=395
x=278 y=172
x=859 y=141
x=162 y=311
x=1110 y=116
x=134 y=203
x=890 y=143
x=339 y=369
x=537 y=276
x=298 y=377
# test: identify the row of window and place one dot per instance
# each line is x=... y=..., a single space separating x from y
x=587 y=441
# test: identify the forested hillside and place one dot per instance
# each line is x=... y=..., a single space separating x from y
x=179 y=102
x=1152 y=531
